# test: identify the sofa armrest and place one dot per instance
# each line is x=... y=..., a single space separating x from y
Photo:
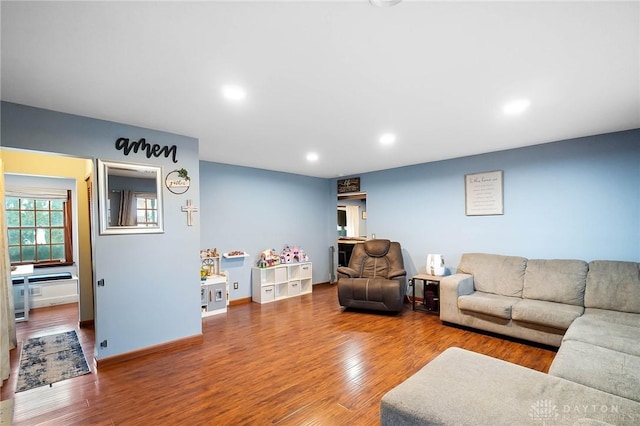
x=348 y=272
x=397 y=273
x=451 y=287
x=460 y=283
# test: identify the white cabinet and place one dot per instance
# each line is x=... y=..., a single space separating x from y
x=214 y=295
x=281 y=281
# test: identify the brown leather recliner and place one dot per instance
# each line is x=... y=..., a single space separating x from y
x=375 y=277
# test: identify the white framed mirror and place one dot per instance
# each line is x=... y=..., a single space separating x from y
x=130 y=198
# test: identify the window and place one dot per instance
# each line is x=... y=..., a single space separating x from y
x=132 y=209
x=146 y=209
x=39 y=229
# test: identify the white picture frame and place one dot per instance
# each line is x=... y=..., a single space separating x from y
x=484 y=193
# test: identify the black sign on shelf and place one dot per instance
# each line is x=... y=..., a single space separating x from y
x=348 y=185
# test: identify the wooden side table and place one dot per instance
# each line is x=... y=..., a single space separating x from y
x=430 y=293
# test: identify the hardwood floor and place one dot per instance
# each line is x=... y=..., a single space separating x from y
x=296 y=361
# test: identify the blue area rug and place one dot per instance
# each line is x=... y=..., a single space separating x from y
x=49 y=359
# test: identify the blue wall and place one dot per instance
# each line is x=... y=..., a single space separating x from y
x=576 y=199
x=152 y=281
x=254 y=210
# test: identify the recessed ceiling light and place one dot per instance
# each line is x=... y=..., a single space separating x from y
x=234 y=93
x=380 y=3
x=387 y=139
x=516 y=107
x=312 y=156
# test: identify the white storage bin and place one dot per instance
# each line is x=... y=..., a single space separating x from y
x=294 y=288
x=305 y=271
x=268 y=294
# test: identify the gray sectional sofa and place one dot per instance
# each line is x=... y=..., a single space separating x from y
x=591 y=311
x=535 y=300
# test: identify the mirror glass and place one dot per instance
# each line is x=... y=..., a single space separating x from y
x=130 y=198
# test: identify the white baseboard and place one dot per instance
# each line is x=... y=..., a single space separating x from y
x=52 y=301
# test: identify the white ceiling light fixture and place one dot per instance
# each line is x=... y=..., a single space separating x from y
x=384 y=3
x=312 y=156
x=233 y=92
x=516 y=107
x=387 y=139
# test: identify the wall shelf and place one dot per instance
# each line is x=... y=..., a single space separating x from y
x=234 y=256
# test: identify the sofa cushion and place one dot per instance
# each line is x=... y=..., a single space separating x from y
x=613 y=285
x=494 y=273
x=550 y=314
x=599 y=332
x=460 y=387
x=556 y=280
x=616 y=317
x=488 y=303
x=601 y=368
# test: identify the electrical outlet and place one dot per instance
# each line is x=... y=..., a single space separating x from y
x=235 y=286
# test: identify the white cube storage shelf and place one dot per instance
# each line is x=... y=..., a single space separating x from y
x=281 y=281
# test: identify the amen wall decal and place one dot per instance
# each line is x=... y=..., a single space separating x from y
x=155 y=150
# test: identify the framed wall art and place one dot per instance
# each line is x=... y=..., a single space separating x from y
x=346 y=186
x=484 y=193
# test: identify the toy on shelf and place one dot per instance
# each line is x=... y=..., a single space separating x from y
x=210 y=263
x=209 y=253
x=268 y=258
x=289 y=254
x=293 y=254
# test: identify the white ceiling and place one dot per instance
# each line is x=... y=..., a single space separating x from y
x=330 y=77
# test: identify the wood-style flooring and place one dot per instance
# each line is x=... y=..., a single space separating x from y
x=299 y=361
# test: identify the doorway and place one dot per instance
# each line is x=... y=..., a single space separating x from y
x=352 y=224
x=39 y=169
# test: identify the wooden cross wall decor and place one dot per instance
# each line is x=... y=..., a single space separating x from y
x=190 y=210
